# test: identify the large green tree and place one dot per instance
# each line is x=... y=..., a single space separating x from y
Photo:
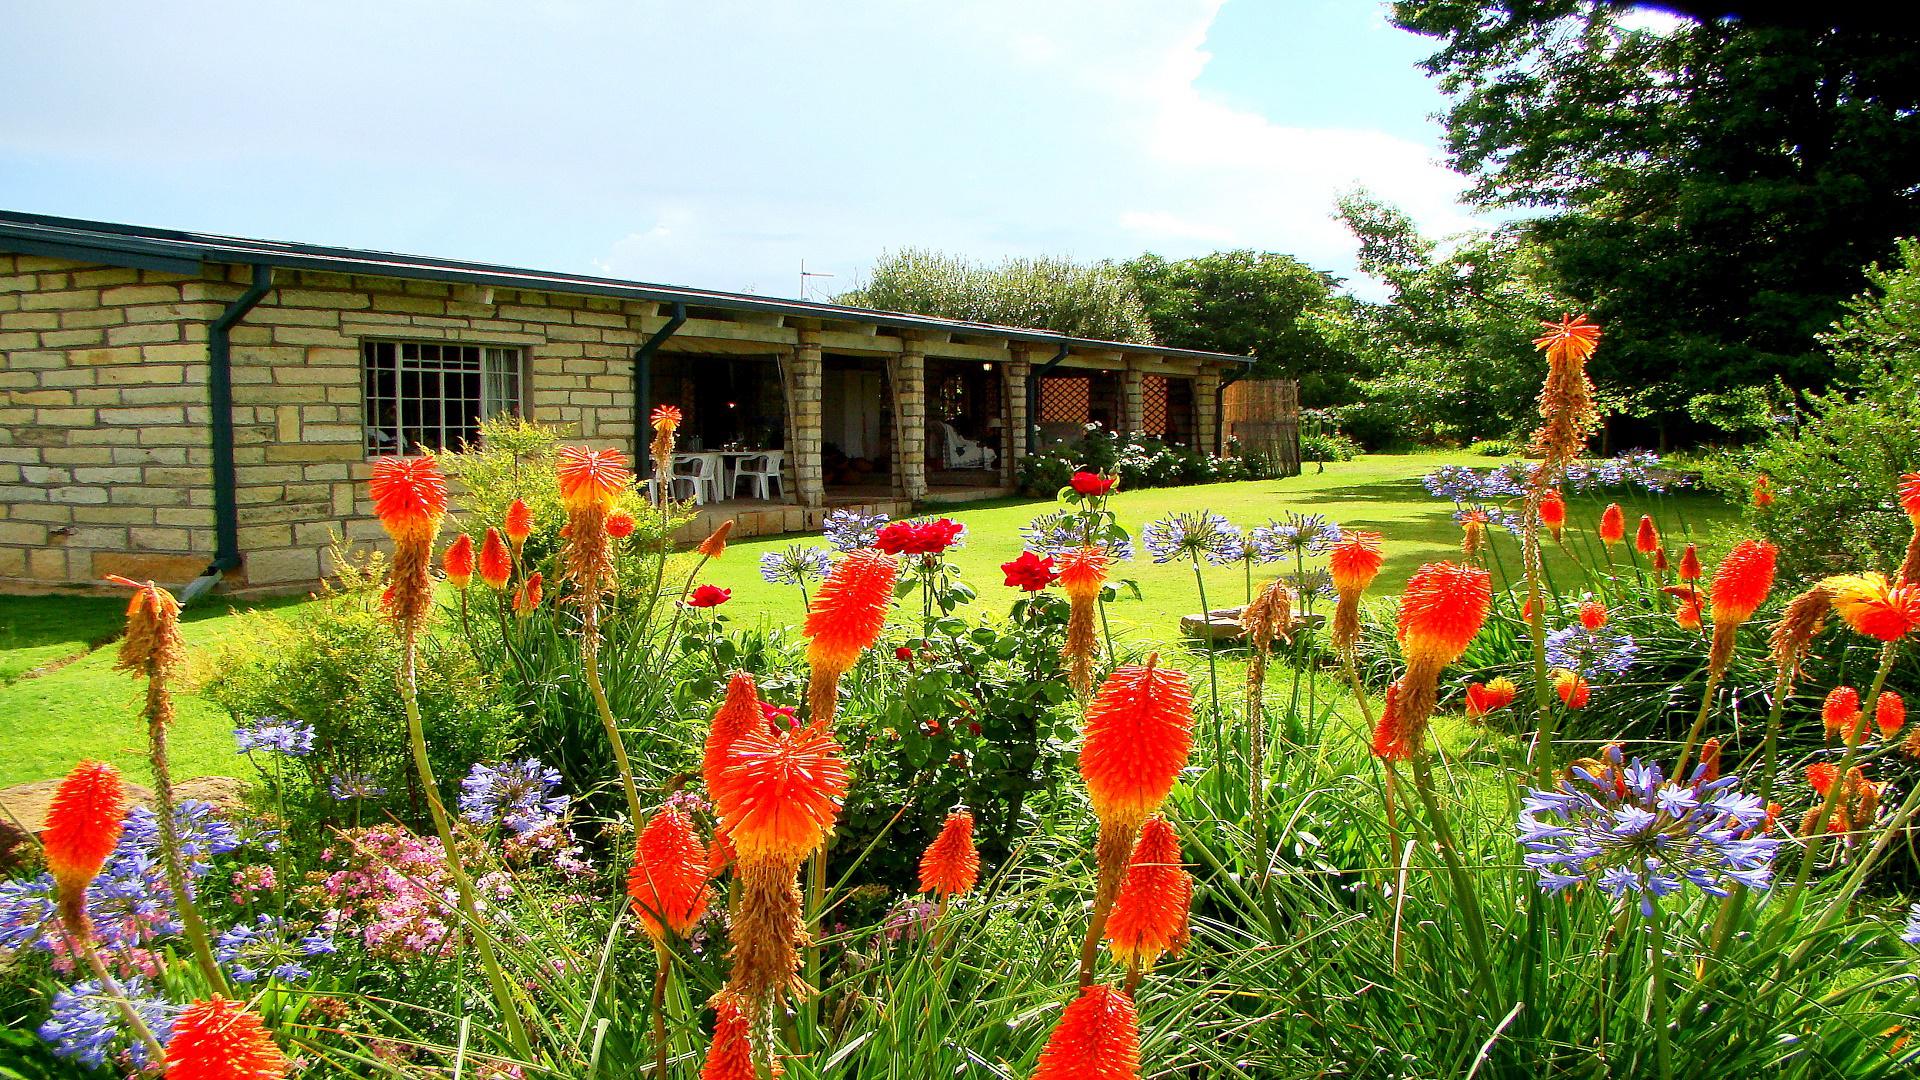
x=1251 y=303
x=1711 y=190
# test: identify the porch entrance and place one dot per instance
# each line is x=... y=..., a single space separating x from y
x=966 y=424
x=856 y=428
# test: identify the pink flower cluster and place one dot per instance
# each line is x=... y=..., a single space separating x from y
x=393 y=889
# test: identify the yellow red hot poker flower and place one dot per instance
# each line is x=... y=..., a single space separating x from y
x=496 y=566
x=1566 y=397
x=1150 y=913
x=1353 y=563
x=518 y=525
x=1082 y=573
x=1613 y=525
x=846 y=618
x=84 y=821
x=410 y=498
x=777 y=799
x=1873 y=606
x=457 y=561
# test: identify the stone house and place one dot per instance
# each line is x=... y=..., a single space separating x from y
x=180 y=404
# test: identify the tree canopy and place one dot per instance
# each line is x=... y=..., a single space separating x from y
x=1711 y=192
x=1092 y=301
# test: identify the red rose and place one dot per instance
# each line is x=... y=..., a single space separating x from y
x=898 y=538
x=709 y=596
x=937 y=536
x=1088 y=484
x=903 y=653
x=918 y=537
x=1029 y=572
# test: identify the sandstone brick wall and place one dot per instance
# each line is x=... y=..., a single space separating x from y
x=105 y=452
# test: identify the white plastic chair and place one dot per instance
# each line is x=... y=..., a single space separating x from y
x=701 y=473
x=762 y=473
x=964 y=453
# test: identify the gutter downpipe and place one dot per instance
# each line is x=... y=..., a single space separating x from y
x=643 y=386
x=1033 y=399
x=1220 y=410
x=226 y=515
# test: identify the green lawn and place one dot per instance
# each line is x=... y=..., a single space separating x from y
x=63 y=702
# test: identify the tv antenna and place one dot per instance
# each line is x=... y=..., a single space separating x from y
x=805 y=274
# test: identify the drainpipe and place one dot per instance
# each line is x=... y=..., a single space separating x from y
x=1220 y=411
x=226 y=514
x=643 y=385
x=1033 y=399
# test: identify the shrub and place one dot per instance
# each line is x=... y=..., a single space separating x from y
x=1139 y=461
x=332 y=664
x=1495 y=448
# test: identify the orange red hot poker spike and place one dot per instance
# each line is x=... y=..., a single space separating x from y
x=1149 y=916
x=1444 y=606
x=668 y=881
x=950 y=866
x=218 y=1039
x=846 y=618
x=84 y=821
x=1097 y=1038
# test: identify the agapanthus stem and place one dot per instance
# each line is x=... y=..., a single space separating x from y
x=1464 y=893
x=416 y=733
x=1534 y=564
x=1213 y=669
x=1657 y=1002
x=1818 y=834
x=1775 y=713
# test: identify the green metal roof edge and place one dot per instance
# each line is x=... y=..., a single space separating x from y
x=175 y=251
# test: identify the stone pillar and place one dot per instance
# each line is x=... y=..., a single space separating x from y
x=907 y=375
x=1014 y=447
x=800 y=377
x=1206 y=413
x=1133 y=401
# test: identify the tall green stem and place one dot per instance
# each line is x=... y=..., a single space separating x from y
x=1657 y=1003
x=191 y=923
x=664 y=957
x=1464 y=893
x=416 y=732
x=1213 y=668
x=1699 y=725
x=592 y=657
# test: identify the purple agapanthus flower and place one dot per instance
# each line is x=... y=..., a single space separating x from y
x=516 y=794
x=87 y=1026
x=1911 y=935
x=1592 y=653
x=348 y=786
x=1459 y=483
x=270 y=734
x=1633 y=833
x=270 y=947
x=848 y=529
x=795 y=564
x=1061 y=531
x=1200 y=534
x=1296 y=536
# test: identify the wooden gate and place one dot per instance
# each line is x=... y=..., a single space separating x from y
x=1263 y=417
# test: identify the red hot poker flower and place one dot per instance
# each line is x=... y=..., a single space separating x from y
x=1840 y=713
x=1646 y=540
x=409 y=497
x=527 y=599
x=1149 y=915
x=1490 y=697
x=1029 y=572
x=496 y=566
x=1097 y=1038
x=779 y=794
x=519 y=524
x=458 y=561
x=620 y=524
x=1574 y=690
x=1444 y=606
x=1593 y=614
x=1743 y=580
x=707 y=596
x=1553 y=512
x=740 y=713
x=218 y=1039
x=730 y=1056
x=1613 y=525
x=1909 y=491
x=1762 y=492
x=1091 y=484
x=1572 y=338
x=715 y=545
x=1889 y=713
x=950 y=865
x=1690 y=565
x=1139 y=731
x=849 y=611
x=1821 y=775
x=1355 y=559
x=84 y=821
x=591 y=477
x=665 y=418
x=1872 y=606
x=668 y=882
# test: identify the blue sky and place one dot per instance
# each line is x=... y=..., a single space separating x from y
x=719 y=144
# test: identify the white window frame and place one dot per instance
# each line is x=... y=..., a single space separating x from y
x=502 y=375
